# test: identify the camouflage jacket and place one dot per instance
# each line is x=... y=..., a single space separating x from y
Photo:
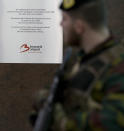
x=94 y=100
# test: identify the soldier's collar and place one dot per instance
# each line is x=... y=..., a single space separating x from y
x=83 y=57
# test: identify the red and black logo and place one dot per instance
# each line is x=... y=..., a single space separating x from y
x=24 y=48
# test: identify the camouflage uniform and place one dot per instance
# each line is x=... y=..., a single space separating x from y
x=99 y=105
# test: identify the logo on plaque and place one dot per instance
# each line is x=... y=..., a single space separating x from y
x=24 y=48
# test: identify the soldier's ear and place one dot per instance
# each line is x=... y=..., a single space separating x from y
x=79 y=26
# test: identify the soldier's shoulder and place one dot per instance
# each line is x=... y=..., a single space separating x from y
x=114 y=82
x=122 y=42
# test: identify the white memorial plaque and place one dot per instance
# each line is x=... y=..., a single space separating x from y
x=30 y=31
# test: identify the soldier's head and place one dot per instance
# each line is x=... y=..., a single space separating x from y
x=81 y=16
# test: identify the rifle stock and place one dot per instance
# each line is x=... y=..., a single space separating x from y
x=44 y=119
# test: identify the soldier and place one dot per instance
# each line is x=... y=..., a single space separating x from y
x=94 y=76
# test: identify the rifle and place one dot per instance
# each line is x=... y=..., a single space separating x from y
x=44 y=119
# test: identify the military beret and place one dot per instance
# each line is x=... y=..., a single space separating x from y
x=67 y=5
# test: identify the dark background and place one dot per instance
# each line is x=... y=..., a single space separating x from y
x=18 y=82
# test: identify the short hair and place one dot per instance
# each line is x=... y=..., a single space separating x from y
x=94 y=13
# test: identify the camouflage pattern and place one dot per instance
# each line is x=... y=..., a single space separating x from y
x=100 y=105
